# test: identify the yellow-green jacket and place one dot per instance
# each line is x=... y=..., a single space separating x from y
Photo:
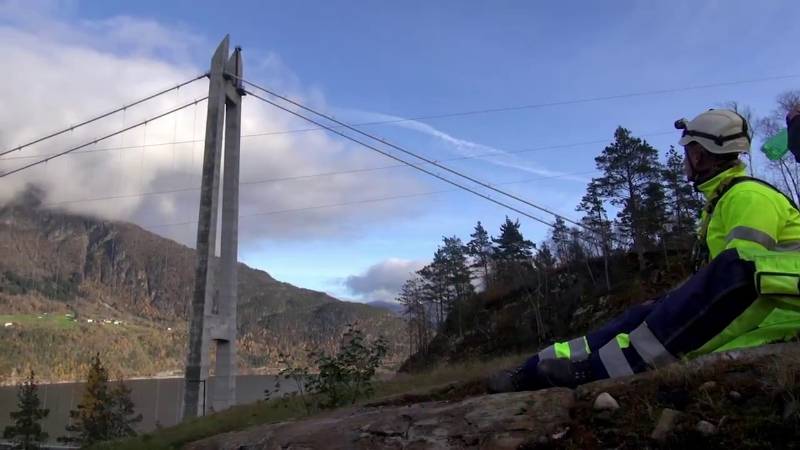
x=764 y=227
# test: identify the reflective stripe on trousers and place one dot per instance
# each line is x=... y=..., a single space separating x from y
x=575 y=350
x=646 y=345
x=614 y=360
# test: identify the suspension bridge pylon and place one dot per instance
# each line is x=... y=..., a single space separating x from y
x=212 y=314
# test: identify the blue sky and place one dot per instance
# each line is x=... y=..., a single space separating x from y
x=366 y=61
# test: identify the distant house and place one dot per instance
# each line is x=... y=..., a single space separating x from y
x=8 y=324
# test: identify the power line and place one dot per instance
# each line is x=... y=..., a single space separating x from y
x=408 y=152
x=389 y=155
x=459 y=158
x=102 y=116
x=270 y=180
x=95 y=141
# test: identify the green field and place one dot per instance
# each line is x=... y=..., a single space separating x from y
x=57 y=321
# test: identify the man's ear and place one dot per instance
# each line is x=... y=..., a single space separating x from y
x=793 y=127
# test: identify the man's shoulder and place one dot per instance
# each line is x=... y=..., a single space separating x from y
x=752 y=185
x=752 y=192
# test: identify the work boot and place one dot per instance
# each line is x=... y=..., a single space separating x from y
x=514 y=380
x=565 y=373
x=504 y=381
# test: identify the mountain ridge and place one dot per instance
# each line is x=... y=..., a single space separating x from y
x=100 y=272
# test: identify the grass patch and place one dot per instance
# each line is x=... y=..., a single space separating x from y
x=463 y=372
x=235 y=418
x=53 y=320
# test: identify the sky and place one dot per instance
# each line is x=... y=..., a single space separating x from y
x=540 y=86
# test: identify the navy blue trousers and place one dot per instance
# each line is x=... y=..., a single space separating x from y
x=664 y=329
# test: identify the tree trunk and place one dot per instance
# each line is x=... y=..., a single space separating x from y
x=605 y=267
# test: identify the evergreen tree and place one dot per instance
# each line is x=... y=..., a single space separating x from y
x=513 y=252
x=595 y=218
x=559 y=235
x=630 y=173
x=103 y=413
x=123 y=415
x=683 y=204
x=511 y=245
x=544 y=259
x=435 y=288
x=480 y=249
x=458 y=277
x=457 y=268
x=654 y=218
x=26 y=432
x=415 y=309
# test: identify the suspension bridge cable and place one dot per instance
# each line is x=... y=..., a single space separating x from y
x=389 y=155
x=468 y=112
x=102 y=116
x=336 y=205
x=95 y=141
x=268 y=180
x=418 y=156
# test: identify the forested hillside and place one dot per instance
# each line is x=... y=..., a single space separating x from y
x=71 y=286
x=489 y=295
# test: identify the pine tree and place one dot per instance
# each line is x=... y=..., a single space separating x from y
x=544 y=259
x=513 y=253
x=682 y=203
x=412 y=298
x=458 y=277
x=434 y=282
x=559 y=235
x=630 y=172
x=123 y=415
x=596 y=219
x=480 y=249
x=91 y=422
x=103 y=413
x=26 y=433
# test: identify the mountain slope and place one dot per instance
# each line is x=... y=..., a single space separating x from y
x=100 y=272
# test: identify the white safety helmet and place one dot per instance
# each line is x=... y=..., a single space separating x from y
x=719 y=131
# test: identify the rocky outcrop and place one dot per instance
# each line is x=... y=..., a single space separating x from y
x=503 y=421
x=682 y=406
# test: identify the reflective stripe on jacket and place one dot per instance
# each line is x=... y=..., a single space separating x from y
x=750 y=216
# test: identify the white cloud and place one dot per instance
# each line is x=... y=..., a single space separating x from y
x=64 y=73
x=382 y=281
x=470 y=149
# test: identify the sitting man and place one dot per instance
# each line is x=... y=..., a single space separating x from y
x=745 y=291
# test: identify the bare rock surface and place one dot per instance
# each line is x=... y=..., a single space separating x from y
x=502 y=421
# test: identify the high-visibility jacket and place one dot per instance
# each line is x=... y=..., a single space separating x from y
x=764 y=227
x=749 y=216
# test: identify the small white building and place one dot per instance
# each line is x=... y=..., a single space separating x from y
x=8 y=324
